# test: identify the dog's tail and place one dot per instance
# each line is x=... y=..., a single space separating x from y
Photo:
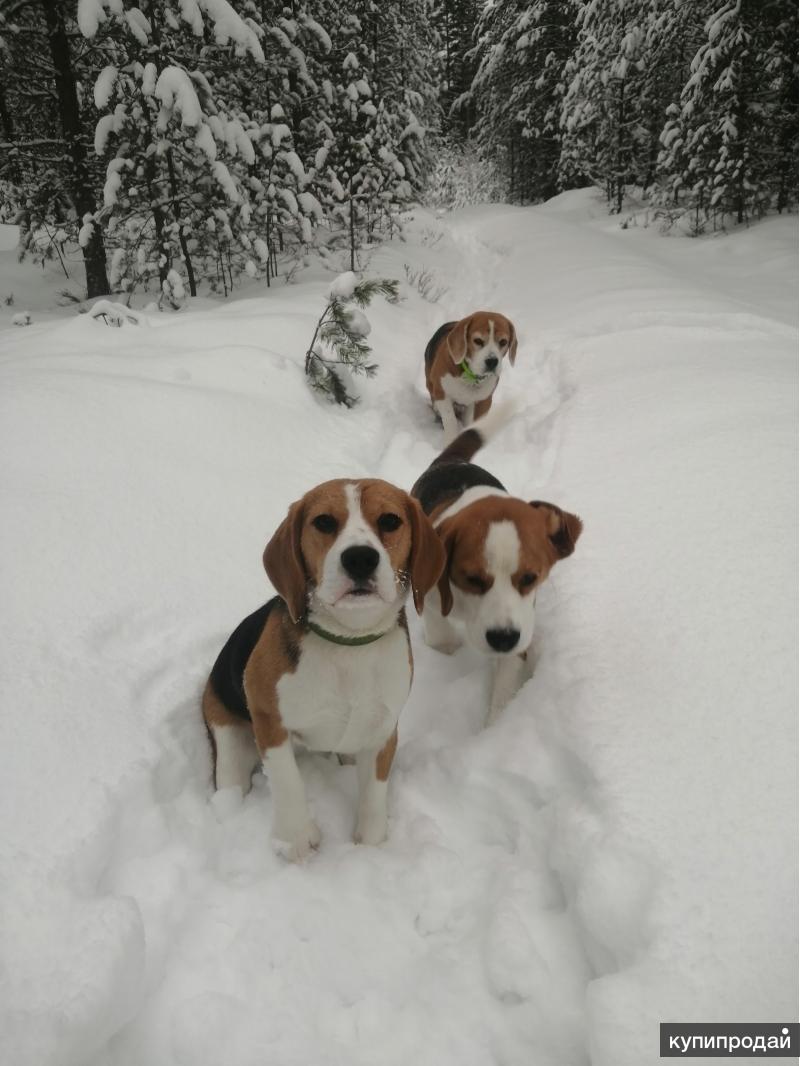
x=471 y=440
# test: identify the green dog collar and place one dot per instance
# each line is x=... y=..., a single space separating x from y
x=471 y=377
x=350 y=642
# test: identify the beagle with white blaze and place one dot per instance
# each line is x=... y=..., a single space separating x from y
x=463 y=361
x=327 y=663
x=499 y=549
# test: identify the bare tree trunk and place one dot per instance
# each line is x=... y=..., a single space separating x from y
x=620 y=167
x=176 y=210
x=94 y=253
x=352 y=235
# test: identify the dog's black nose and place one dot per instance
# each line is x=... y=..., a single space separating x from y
x=491 y=362
x=502 y=639
x=360 y=561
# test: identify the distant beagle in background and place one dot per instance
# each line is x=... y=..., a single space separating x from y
x=499 y=551
x=463 y=361
x=327 y=663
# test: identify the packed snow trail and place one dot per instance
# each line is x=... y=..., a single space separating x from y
x=616 y=851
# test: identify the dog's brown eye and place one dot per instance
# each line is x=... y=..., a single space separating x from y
x=503 y=342
x=527 y=580
x=478 y=342
x=476 y=581
x=325 y=523
x=388 y=523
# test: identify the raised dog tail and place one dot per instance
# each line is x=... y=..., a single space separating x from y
x=471 y=440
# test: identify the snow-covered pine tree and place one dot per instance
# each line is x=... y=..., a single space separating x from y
x=358 y=174
x=454 y=23
x=604 y=113
x=521 y=52
x=496 y=127
x=339 y=347
x=47 y=174
x=780 y=65
x=169 y=196
x=727 y=143
x=282 y=105
x=404 y=55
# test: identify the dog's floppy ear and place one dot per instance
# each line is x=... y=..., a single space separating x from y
x=512 y=344
x=447 y=535
x=563 y=528
x=458 y=336
x=283 y=561
x=427 y=557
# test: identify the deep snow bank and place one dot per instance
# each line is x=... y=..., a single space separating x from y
x=619 y=850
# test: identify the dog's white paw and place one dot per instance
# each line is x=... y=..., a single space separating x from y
x=298 y=845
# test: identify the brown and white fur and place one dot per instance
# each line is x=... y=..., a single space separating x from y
x=479 y=342
x=343 y=560
x=500 y=549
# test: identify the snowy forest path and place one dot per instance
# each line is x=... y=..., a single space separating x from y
x=511 y=896
x=488 y=282
x=471 y=868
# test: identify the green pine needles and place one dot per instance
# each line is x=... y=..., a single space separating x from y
x=339 y=347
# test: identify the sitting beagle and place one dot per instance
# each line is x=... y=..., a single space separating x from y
x=499 y=551
x=463 y=361
x=327 y=663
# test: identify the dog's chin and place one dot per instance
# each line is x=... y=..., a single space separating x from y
x=355 y=599
x=355 y=610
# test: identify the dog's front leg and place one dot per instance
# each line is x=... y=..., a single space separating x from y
x=468 y=417
x=293 y=828
x=508 y=675
x=373 y=774
x=447 y=413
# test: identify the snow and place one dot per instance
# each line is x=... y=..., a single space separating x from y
x=175 y=90
x=289 y=200
x=618 y=850
x=225 y=181
x=204 y=140
x=149 y=78
x=115 y=314
x=344 y=285
x=105 y=127
x=86 y=231
x=358 y=322
x=279 y=132
x=320 y=33
x=174 y=285
x=295 y=165
x=139 y=25
x=112 y=186
x=190 y=12
x=228 y=26
x=90 y=14
x=104 y=87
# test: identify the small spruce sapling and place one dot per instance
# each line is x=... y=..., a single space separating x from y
x=342 y=330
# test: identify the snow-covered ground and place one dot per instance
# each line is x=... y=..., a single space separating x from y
x=619 y=850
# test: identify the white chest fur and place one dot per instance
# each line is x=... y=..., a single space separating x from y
x=346 y=699
x=461 y=390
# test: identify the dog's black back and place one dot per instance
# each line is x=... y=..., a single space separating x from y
x=433 y=343
x=227 y=674
x=443 y=482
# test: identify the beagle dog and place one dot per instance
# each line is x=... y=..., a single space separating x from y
x=327 y=663
x=463 y=361
x=499 y=550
